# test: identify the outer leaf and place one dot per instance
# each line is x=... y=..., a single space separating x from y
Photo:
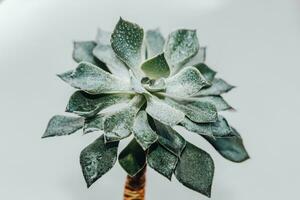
x=93 y=80
x=104 y=52
x=169 y=138
x=88 y=105
x=187 y=82
x=162 y=160
x=162 y=112
x=195 y=169
x=220 y=128
x=218 y=101
x=231 y=148
x=218 y=87
x=63 y=125
x=142 y=131
x=156 y=67
x=118 y=124
x=97 y=159
x=132 y=158
x=154 y=42
x=180 y=47
x=197 y=111
x=126 y=41
x=198 y=58
x=207 y=72
x=93 y=124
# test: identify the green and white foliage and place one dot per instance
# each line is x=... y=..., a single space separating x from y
x=135 y=83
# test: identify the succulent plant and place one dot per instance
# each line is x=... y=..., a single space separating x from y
x=139 y=85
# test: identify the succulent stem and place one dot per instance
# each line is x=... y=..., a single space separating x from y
x=135 y=186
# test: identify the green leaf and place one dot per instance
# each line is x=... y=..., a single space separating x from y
x=93 y=124
x=156 y=67
x=93 y=80
x=154 y=85
x=220 y=128
x=197 y=111
x=163 y=112
x=180 y=47
x=162 y=160
x=169 y=138
x=198 y=58
x=154 y=42
x=118 y=123
x=207 y=72
x=97 y=159
x=186 y=82
x=218 y=87
x=60 y=125
x=195 y=169
x=217 y=101
x=88 y=105
x=132 y=158
x=231 y=148
x=104 y=52
x=126 y=41
x=142 y=131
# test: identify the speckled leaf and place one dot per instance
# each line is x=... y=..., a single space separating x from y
x=156 y=67
x=97 y=159
x=154 y=85
x=132 y=158
x=104 y=52
x=142 y=131
x=220 y=128
x=94 y=124
x=154 y=42
x=218 y=101
x=136 y=84
x=126 y=41
x=88 y=105
x=198 y=58
x=207 y=72
x=218 y=87
x=186 y=82
x=197 y=111
x=169 y=138
x=93 y=80
x=180 y=47
x=195 y=169
x=162 y=160
x=231 y=148
x=118 y=124
x=60 y=125
x=163 y=112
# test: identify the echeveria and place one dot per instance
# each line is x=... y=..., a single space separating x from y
x=135 y=83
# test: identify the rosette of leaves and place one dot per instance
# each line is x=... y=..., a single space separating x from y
x=135 y=83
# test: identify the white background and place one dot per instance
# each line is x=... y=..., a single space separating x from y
x=253 y=44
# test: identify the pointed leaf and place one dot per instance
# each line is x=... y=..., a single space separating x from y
x=118 y=124
x=88 y=105
x=97 y=159
x=207 y=72
x=93 y=124
x=126 y=41
x=180 y=47
x=186 y=82
x=104 y=52
x=162 y=112
x=231 y=148
x=218 y=87
x=142 y=131
x=63 y=125
x=162 y=160
x=220 y=128
x=93 y=80
x=154 y=42
x=195 y=169
x=169 y=138
x=217 y=101
x=156 y=67
x=197 y=111
x=132 y=158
